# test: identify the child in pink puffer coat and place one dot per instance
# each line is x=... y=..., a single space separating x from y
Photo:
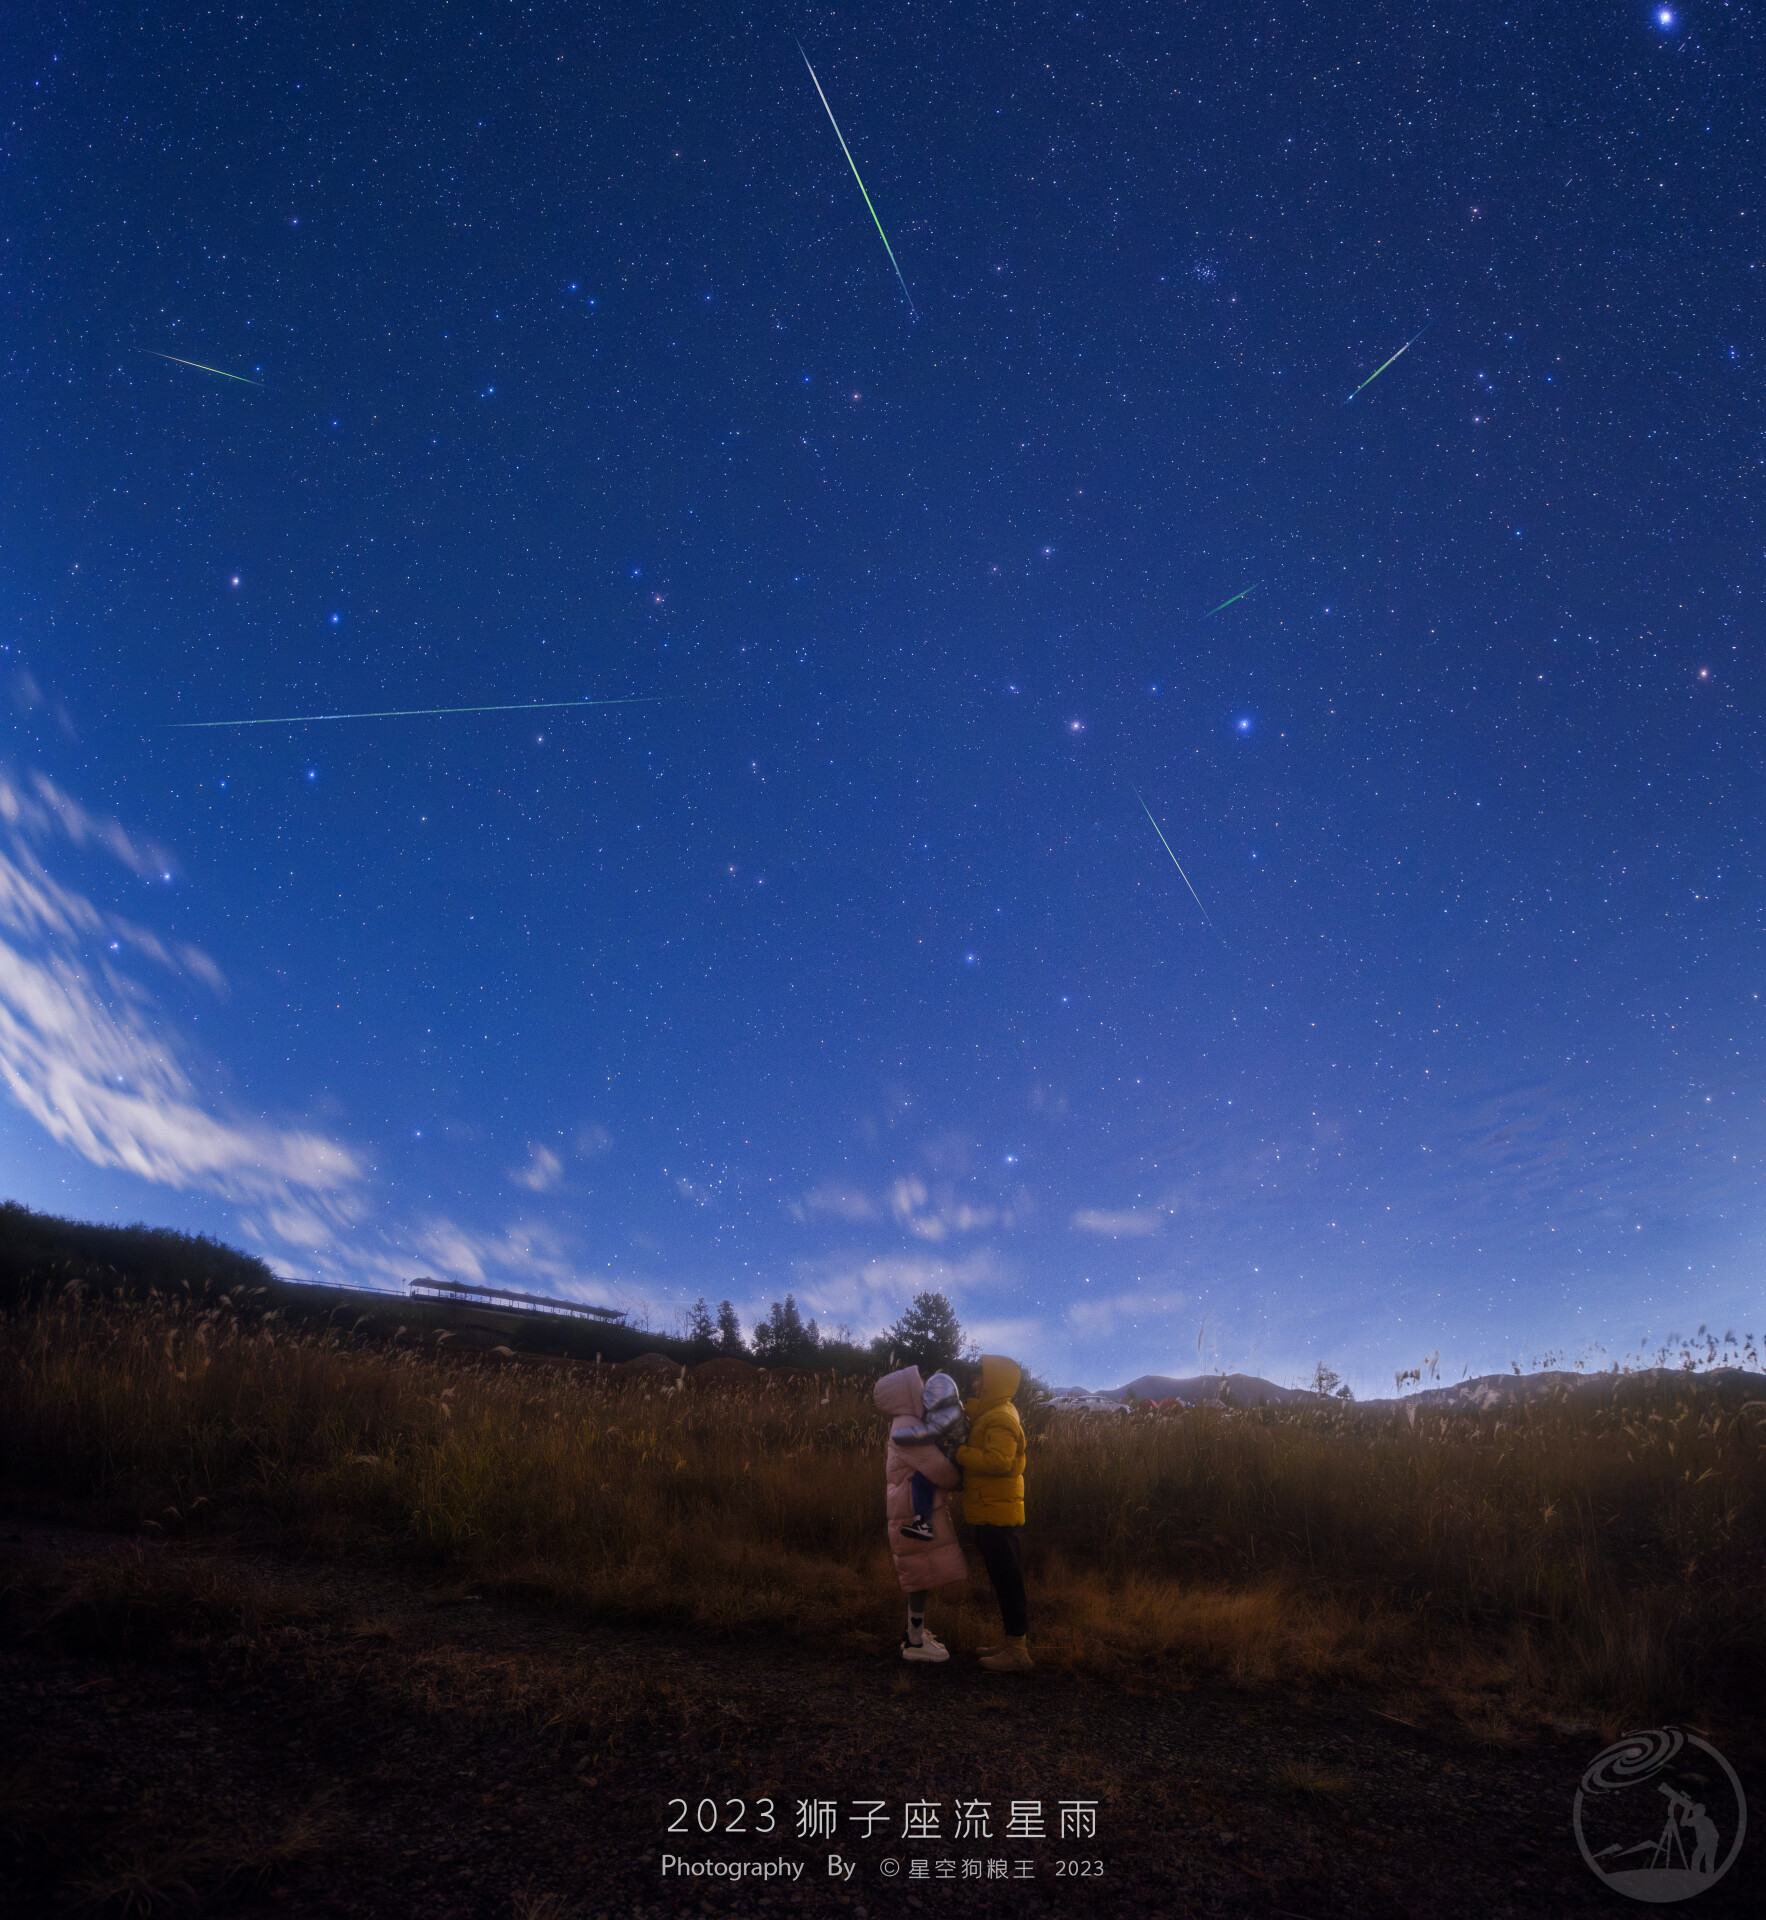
x=920 y=1564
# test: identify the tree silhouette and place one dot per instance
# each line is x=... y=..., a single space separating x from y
x=781 y=1339
x=700 y=1328
x=729 y=1331
x=928 y=1336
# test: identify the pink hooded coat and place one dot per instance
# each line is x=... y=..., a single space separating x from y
x=919 y=1564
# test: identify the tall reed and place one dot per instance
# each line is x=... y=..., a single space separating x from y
x=1611 y=1553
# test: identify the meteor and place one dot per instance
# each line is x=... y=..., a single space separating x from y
x=421 y=713
x=1252 y=588
x=1184 y=877
x=1384 y=364
x=845 y=149
x=200 y=368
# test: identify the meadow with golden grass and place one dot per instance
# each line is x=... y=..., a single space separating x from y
x=1602 y=1558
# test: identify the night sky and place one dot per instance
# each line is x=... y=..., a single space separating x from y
x=845 y=960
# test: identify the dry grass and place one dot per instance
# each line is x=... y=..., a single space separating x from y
x=1607 y=1555
x=1313 y=1783
x=542 y=1906
x=133 y=1604
x=161 y=1880
x=178 y=1875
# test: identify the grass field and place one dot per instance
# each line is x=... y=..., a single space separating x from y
x=1606 y=1559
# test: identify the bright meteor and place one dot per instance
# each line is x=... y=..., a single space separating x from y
x=1384 y=364
x=200 y=368
x=1252 y=588
x=845 y=149
x=422 y=713
x=1184 y=877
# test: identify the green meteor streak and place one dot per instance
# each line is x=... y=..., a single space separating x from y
x=845 y=149
x=1184 y=877
x=1384 y=364
x=1252 y=588
x=422 y=713
x=197 y=364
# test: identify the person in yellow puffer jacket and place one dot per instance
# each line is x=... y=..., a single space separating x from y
x=993 y=1502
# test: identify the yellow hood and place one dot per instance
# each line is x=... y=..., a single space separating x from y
x=999 y=1381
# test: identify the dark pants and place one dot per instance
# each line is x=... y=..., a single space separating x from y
x=1002 y=1554
x=923 y=1493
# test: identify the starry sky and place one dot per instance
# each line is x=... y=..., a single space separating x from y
x=844 y=957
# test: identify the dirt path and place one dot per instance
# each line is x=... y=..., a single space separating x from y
x=190 y=1730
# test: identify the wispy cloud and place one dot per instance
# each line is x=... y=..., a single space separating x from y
x=82 y=1050
x=34 y=807
x=1016 y=1336
x=930 y=1217
x=1125 y=1223
x=1095 y=1316
x=542 y=1173
x=523 y=1253
x=870 y=1293
x=843 y=1203
x=927 y=1213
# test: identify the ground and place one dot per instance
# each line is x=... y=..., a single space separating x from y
x=194 y=1728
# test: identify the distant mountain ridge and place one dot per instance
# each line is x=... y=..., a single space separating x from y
x=1521 y=1389
x=1243 y=1389
x=1486 y=1391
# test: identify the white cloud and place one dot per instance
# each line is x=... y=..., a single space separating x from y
x=82 y=1049
x=1126 y=1223
x=929 y=1218
x=542 y=1173
x=524 y=1254
x=869 y=1294
x=1094 y=1316
x=52 y=811
x=592 y=1139
x=311 y=1229
x=1012 y=1337
x=841 y=1202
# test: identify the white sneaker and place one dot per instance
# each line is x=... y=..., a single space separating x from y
x=929 y=1649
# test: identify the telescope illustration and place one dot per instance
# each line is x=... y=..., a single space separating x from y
x=1663 y=1851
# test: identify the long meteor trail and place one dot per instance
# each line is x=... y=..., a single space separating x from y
x=1184 y=877
x=200 y=368
x=1252 y=588
x=845 y=149
x=1384 y=364
x=423 y=713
